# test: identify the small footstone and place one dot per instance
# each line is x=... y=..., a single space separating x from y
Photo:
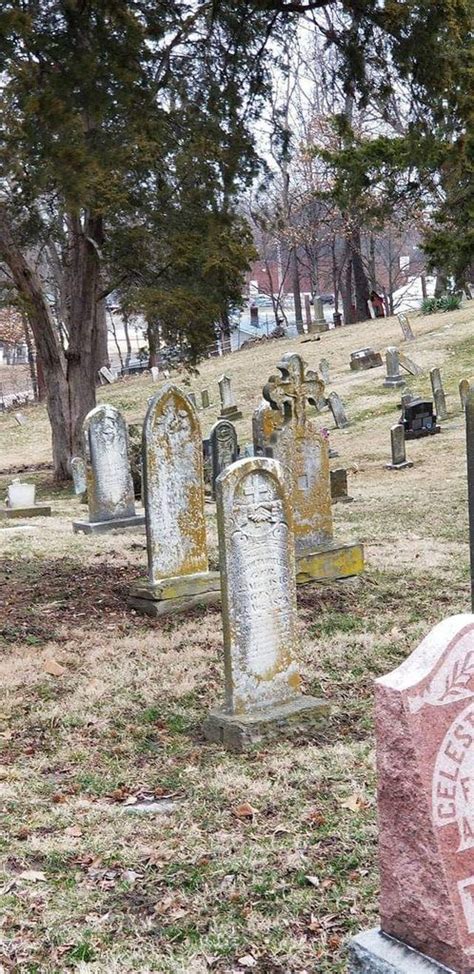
x=38 y=510
x=103 y=527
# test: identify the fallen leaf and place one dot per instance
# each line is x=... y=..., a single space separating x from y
x=33 y=876
x=313 y=880
x=244 y=811
x=354 y=803
x=131 y=800
x=315 y=817
x=53 y=668
x=247 y=961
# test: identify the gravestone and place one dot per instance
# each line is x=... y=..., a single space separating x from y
x=192 y=398
x=320 y=323
x=424 y=723
x=393 y=377
x=438 y=394
x=256 y=552
x=405 y=325
x=20 y=419
x=464 y=389
x=470 y=480
x=364 y=359
x=419 y=419
x=399 y=456
x=339 y=489
x=110 y=493
x=205 y=399
x=21 y=502
x=207 y=464
x=285 y=433
x=228 y=407
x=173 y=488
x=79 y=473
x=106 y=375
x=324 y=370
x=409 y=365
x=155 y=373
x=337 y=408
x=224 y=448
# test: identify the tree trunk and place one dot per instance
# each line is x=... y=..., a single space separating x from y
x=153 y=332
x=295 y=278
x=101 y=337
x=361 y=284
x=225 y=332
x=31 y=356
x=346 y=289
x=47 y=344
x=128 y=344
x=81 y=354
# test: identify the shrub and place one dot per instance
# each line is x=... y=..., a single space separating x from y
x=447 y=302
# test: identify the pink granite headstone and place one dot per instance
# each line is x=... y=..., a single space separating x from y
x=425 y=756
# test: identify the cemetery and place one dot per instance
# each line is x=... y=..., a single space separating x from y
x=237 y=713
x=236 y=487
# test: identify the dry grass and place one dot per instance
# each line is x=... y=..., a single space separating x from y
x=201 y=889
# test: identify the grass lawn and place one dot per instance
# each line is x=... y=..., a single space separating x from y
x=267 y=861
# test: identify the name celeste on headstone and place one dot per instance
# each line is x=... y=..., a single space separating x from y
x=424 y=721
x=256 y=549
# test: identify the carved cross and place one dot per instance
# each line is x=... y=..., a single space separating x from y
x=257 y=491
x=290 y=391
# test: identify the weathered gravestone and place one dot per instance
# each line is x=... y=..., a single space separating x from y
x=262 y=680
x=464 y=389
x=339 y=489
x=192 y=398
x=155 y=373
x=173 y=488
x=79 y=474
x=364 y=359
x=324 y=370
x=408 y=364
x=393 y=376
x=110 y=493
x=205 y=398
x=106 y=375
x=399 y=456
x=224 y=447
x=228 y=407
x=284 y=433
x=405 y=325
x=418 y=418
x=320 y=323
x=424 y=718
x=438 y=394
x=336 y=406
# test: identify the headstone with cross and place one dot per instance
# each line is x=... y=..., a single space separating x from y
x=256 y=554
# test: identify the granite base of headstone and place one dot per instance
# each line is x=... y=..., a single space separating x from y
x=364 y=359
x=373 y=952
x=178 y=594
x=399 y=457
x=105 y=527
x=339 y=488
x=424 y=726
x=319 y=324
x=263 y=698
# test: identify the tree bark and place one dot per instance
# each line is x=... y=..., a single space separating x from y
x=153 y=333
x=295 y=278
x=361 y=284
x=47 y=344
